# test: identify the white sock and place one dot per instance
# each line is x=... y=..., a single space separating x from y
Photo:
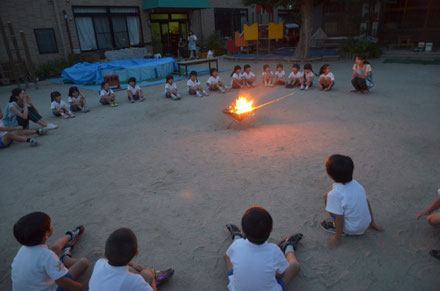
x=289 y=249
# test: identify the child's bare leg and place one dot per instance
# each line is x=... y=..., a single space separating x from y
x=76 y=267
x=228 y=263
x=59 y=244
x=321 y=83
x=26 y=132
x=292 y=270
x=434 y=219
x=9 y=137
x=148 y=276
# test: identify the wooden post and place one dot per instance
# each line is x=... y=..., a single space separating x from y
x=19 y=62
x=30 y=66
x=9 y=53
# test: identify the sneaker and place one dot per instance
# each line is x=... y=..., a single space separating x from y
x=116 y=104
x=33 y=142
x=205 y=93
x=71 y=114
x=66 y=252
x=75 y=234
x=178 y=96
x=132 y=101
x=142 y=99
x=85 y=109
x=41 y=131
x=307 y=87
x=174 y=97
x=64 y=115
x=290 y=241
x=235 y=231
x=435 y=254
x=198 y=94
x=329 y=226
x=221 y=90
x=302 y=87
x=162 y=276
x=51 y=126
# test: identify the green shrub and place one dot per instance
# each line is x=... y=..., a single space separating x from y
x=215 y=43
x=357 y=46
x=54 y=68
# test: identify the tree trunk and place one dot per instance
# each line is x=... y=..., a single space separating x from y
x=305 y=32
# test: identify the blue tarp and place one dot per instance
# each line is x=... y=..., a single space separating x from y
x=141 y=69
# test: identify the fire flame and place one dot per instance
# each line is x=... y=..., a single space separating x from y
x=241 y=105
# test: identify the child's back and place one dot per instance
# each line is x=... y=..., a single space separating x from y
x=255 y=266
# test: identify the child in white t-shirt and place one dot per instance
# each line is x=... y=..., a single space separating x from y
x=134 y=91
x=236 y=79
x=280 y=75
x=194 y=86
x=346 y=203
x=39 y=267
x=214 y=83
x=267 y=76
x=117 y=273
x=307 y=77
x=294 y=77
x=255 y=264
x=107 y=96
x=171 y=88
x=59 y=107
x=326 y=78
x=248 y=76
x=77 y=100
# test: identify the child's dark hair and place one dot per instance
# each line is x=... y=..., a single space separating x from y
x=14 y=94
x=246 y=66
x=308 y=67
x=103 y=84
x=169 y=77
x=132 y=79
x=212 y=71
x=280 y=66
x=340 y=168
x=363 y=58
x=235 y=69
x=323 y=68
x=31 y=229
x=120 y=247
x=296 y=66
x=193 y=73
x=265 y=67
x=72 y=90
x=54 y=95
x=257 y=224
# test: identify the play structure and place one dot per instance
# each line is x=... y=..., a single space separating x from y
x=19 y=69
x=260 y=38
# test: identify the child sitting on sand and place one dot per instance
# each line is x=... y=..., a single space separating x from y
x=214 y=83
x=248 y=76
x=171 y=88
x=107 y=96
x=237 y=82
x=294 y=77
x=280 y=75
x=194 y=86
x=134 y=91
x=10 y=134
x=267 y=76
x=77 y=100
x=307 y=78
x=347 y=202
x=362 y=75
x=326 y=78
x=117 y=273
x=59 y=107
x=253 y=263
x=37 y=266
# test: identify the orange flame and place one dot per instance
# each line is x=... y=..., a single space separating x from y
x=241 y=105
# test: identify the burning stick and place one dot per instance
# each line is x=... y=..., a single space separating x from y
x=243 y=108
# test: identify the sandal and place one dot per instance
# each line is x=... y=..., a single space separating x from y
x=75 y=235
x=162 y=276
x=235 y=231
x=290 y=241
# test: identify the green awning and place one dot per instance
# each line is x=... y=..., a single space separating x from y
x=196 y=4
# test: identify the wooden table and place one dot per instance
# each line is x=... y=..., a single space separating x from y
x=197 y=62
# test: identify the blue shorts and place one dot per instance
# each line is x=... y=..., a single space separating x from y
x=100 y=100
x=191 y=93
x=2 y=145
x=67 y=276
x=135 y=97
x=279 y=280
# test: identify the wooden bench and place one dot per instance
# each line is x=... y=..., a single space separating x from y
x=197 y=62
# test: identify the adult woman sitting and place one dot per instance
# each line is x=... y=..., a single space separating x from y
x=20 y=110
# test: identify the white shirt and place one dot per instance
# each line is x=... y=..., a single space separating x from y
x=105 y=93
x=170 y=87
x=255 y=266
x=248 y=76
x=36 y=269
x=73 y=99
x=192 y=84
x=309 y=75
x=235 y=76
x=212 y=81
x=110 y=278
x=2 y=133
x=134 y=89
x=264 y=73
x=298 y=75
x=329 y=75
x=280 y=75
x=56 y=105
x=350 y=200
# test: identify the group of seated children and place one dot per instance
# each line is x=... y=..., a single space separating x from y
x=77 y=102
x=38 y=266
x=252 y=263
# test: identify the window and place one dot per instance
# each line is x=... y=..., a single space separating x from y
x=102 y=28
x=229 y=20
x=46 y=40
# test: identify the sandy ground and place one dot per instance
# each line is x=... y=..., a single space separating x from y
x=175 y=174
